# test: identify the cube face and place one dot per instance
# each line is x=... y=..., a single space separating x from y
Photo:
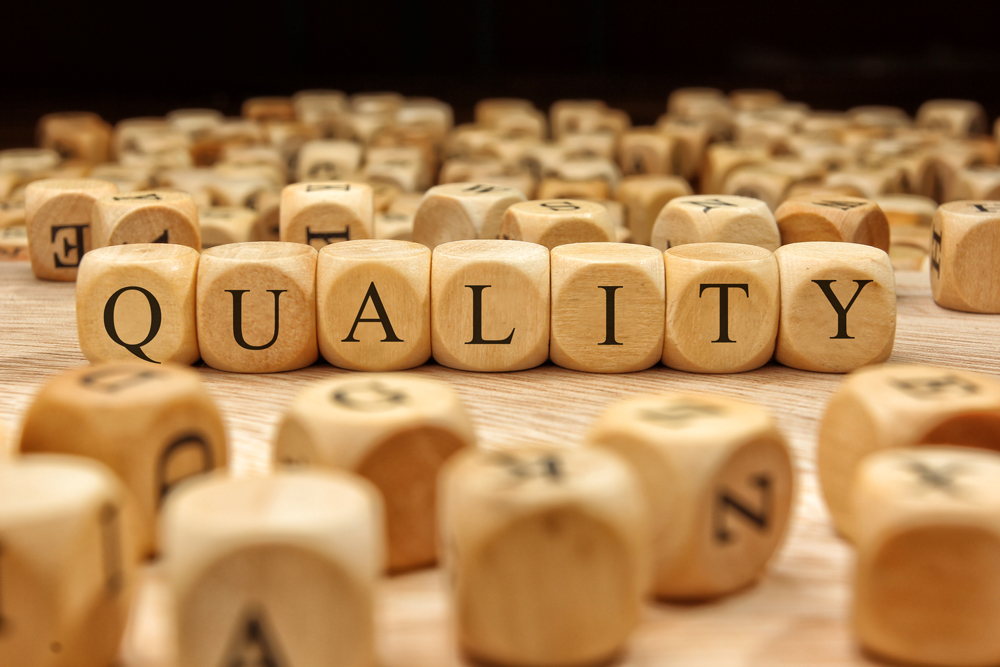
x=256 y=307
x=847 y=219
x=956 y=118
x=715 y=218
x=462 y=211
x=644 y=196
x=490 y=310
x=965 y=238
x=227 y=224
x=326 y=160
x=722 y=307
x=138 y=302
x=58 y=220
x=838 y=306
x=373 y=305
x=319 y=214
x=147 y=217
x=557 y=222
x=607 y=307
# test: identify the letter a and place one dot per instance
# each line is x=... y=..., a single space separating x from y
x=252 y=646
x=383 y=318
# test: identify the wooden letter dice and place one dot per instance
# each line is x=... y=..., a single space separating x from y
x=718 y=481
x=557 y=222
x=322 y=213
x=373 y=305
x=838 y=306
x=955 y=118
x=607 y=307
x=67 y=560
x=137 y=302
x=57 y=215
x=925 y=586
x=715 y=218
x=847 y=219
x=462 y=211
x=256 y=307
x=228 y=224
x=152 y=425
x=965 y=241
x=722 y=307
x=275 y=570
x=394 y=430
x=548 y=554
x=490 y=305
x=147 y=217
x=644 y=196
x=900 y=405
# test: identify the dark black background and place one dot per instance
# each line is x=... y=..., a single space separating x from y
x=130 y=59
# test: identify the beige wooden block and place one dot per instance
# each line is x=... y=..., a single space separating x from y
x=879 y=116
x=146 y=217
x=715 y=218
x=575 y=116
x=58 y=220
x=373 y=301
x=510 y=150
x=645 y=150
x=692 y=137
x=599 y=145
x=126 y=179
x=616 y=213
x=227 y=224
x=262 y=109
x=394 y=225
x=28 y=161
x=12 y=213
x=692 y=101
x=977 y=182
x=945 y=160
x=137 y=301
x=394 y=430
x=838 y=219
x=195 y=123
x=328 y=160
x=644 y=196
x=402 y=166
x=763 y=128
x=267 y=205
x=754 y=99
x=838 y=306
x=242 y=186
x=722 y=307
x=490 y=305
x=319 y=214
x=910 y=247
x=462 y=211
x=76 y=135
x=607 y=307
x=561 y=188
x=154 y=426
x=14 y=244
x=965 y=239
x=906 y=210
x=548 y=554
x=722 y=158
x=489 y=111
x=318 y=106
x=718 y=481
x=383 y=195
x=67 y=564
x=256 y=307
x=759 y=182
x=925 y=589
x=592 y=168
x=894 y=406
x=553 y=223
x=871 y=182
x=276 y=570
x=428 y=114
x=955 y=118
x=528 y=124
x=259 y=155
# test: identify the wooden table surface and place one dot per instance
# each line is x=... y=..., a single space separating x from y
x=797 y=616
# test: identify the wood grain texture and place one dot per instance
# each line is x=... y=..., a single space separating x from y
x=796 y=616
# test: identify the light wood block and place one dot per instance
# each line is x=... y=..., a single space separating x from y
x=557 y=222
x=956 y=118
x=909 y=248
x=722 y=158
x=261 y=109
x=277 y=570
x=490 y=305
x=965 y=237
x=561 y=188
x=489 y=111
x=589 y=146
x=396 y=431
x=58 y=220
x=925 y=590
x=462 y=211
x=402 y=166
x=154 y=216
x=76 y=135
x=320 y=109
x=715 y=218
x=28 y=161
x=67 y=562
x=138 y=302
x=691 y=138
x=256 y=307
x=872 y=181
x=227 y=224
x=693 y=101
x=394 y=226
x=645 y=150
x=718 y=481
x=845 y=219
x=548 y=554
x=607 y=307
x=754 y=99
x=126 y=179
x=195 y=123
x=154 y=426
x=644 y=196
x=906 y=210
x=977 y=182
x=267 y=205
x=384 y=194
x=319 y=214
x=329 y=160
x=945 y=160
x=373 y=305
x=575 y=116
x=14 y=244
x=722 y=307
x=879 y=116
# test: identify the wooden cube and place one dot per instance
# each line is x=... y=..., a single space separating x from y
x=548 y=554
x=845 y=219
x=722 y=158
x=146 y=217
x=607 y=307
x=956 y=118
x=965 y=238
x=68 y=561
x=197 y=124
x=28 y=162
x=565 y=188
x=590 y=146
x=322 y=213
x=644 y=196
x=462 y=211
x=575 y=116
x=227 y=224
x=553 y=223
x=256 y=307
x=889 y=177
x=906 y=211
x=329 y=160
x=490 y=305
x=394 y=430
x=276 y=570
x=76 y=135
x=489 y=111
x=754 y=99
x=718 y=480
x=928 y=556
x=720 y=219
x=138 y=302
x=263 y=109
x=900 y=405
x=58 y=220
x=691 y=137
x=722 y=307
x=154 y=426
x=373 y=305
x=394 y=225
x=838 y=306
x=688 y=102
x=14 y=244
